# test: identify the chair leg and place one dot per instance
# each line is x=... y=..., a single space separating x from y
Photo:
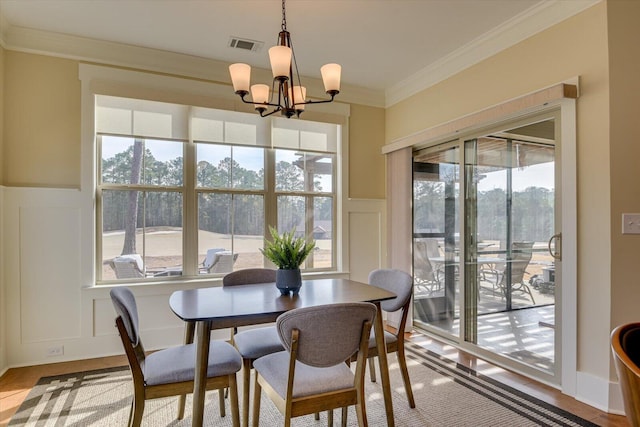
x=402 y=361
x=221 y=401
x=372 y=370
x=131 y=409
x=138 y=409
x=316 y=416
x=246 y=380
x=528 y=290
x=362 y=414
x=181 y=402
x=257 y=391
x=330 y=418
x=233 y=400
x=344 y=416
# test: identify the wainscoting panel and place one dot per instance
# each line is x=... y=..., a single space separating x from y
x=367 y=246
x=49 y=273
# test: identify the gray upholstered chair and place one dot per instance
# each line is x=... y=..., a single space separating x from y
x=311 y=374
x=170 y=372
x=252 y=343
x=401 y=284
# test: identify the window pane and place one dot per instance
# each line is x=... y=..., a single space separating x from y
x=291 y=215
x=248 y=168
x=297 y=171
x=214 y=229
x=222 y=166
x=212 y=172
x=248 y=230
x=322 y=233
x=163 y=163
x=127 y=160
x=233 y=226
x=145 y=225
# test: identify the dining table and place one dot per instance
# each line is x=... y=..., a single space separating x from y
x=218 y=307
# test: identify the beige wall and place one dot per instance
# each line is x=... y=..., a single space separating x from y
x=42 y=127
x=575 y=47
x=366 y=162
x=42 y=144
x=2 y=157
x=624 y=63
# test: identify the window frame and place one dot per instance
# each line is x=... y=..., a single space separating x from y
x=190 y=192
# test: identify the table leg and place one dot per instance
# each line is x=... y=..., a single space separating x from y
x=384 y=367
x=203 y=336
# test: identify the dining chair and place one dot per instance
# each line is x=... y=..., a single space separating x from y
x=400 y=283
x=170 y=372
x=256 y=342
x=311 y=375
x=625 y=345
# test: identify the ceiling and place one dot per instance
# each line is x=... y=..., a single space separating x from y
x=379 y=43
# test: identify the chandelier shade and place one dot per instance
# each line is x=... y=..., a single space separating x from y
x=291 y=94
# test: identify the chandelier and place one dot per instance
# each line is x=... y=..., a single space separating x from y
x=291 y=97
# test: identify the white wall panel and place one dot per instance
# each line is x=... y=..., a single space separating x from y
x=49 y=273
x=365 y=245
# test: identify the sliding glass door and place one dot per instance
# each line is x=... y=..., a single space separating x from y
x=486 y=277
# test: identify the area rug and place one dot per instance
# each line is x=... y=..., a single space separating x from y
x=446 y=394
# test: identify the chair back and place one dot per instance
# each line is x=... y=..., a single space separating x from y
x=433 y=250
x=223 y=262
x=396 y=281
x=520 y=258
x=124 y=303
x=210 y=257
x=422 y=266
x=625 y=345
x=128 y=266
x=328 y=334
x=249 y=276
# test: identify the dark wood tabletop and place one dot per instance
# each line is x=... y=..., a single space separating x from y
x=262 y=303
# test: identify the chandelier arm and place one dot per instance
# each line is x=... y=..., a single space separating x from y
x=323 y=101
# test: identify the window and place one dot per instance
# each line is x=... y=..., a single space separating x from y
x=188 y=191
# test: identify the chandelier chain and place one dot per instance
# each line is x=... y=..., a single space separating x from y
x=284 y=17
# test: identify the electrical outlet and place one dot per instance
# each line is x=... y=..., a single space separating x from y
x=630 y=223
x=55 y=351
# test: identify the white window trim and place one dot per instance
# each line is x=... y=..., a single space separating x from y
x=101 y=80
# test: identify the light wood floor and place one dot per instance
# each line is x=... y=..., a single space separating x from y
x=16 y=383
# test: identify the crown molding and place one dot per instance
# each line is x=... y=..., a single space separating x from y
x=532 y=21
x=117 y=54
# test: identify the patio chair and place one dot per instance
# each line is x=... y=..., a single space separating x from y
x=625 y=345
x=521 y=256
x=427 y=277
x=218 y=260
x=311 y=374
x=170 y=372
x=128 y=266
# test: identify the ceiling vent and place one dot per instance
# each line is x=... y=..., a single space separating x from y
x=245 y=44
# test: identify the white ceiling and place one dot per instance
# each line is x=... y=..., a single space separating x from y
x=379 y=43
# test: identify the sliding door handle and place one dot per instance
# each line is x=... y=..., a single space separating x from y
x=557 y=252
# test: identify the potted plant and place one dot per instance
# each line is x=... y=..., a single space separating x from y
x=287 y=253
